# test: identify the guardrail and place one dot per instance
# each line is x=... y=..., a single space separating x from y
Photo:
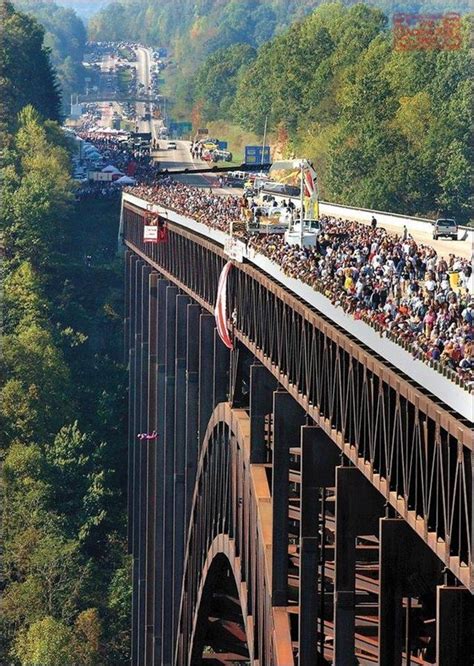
x=365 y=215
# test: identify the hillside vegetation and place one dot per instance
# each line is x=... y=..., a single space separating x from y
x=65 y=36
x=386 y=129
x=65 y=573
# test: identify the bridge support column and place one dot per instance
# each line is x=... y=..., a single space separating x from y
x=220 y=379
x=130 y=304
x=206 y=357
x=168 y=490
x=142 y=448
x=192 y=394
x=319 y=458
x=128 y=258
x=358 y=508
x=179 y=519
x=151 y=481
x=402 y=557
x=159 y=408
x=288 y=417
x=134 y=414
x=454 y=626
x=262 y=386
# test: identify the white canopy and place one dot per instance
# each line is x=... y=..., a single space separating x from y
x=125 y=180
x=110 y=169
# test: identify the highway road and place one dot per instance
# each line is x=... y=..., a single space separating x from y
x=181 y=159
x=443 y=246
x=144 y=65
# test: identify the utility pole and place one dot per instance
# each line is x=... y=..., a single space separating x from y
x=302 y=205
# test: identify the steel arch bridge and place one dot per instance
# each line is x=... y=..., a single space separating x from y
x=303 y=503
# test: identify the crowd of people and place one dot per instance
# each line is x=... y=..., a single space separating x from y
x=97 y=190
x=132 y=161
x=402 y=288
x=201 y=204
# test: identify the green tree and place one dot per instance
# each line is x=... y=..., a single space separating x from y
x=23 y=58
x=216 y=81
x=47 y=642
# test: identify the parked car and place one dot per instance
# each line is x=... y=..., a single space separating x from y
x=236 y=179
x=445 y=227
x=224 y=155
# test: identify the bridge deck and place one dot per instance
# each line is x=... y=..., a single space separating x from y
x=452 y=396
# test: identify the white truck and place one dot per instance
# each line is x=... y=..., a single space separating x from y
x=445 y=227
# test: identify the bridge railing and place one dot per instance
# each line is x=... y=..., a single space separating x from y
x=417 y=453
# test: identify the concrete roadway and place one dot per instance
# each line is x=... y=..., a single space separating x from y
x=443 y=246
x=181 y=159
x=144 y=64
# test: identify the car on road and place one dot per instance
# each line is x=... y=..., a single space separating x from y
x=445 y=227
x=171 y=145
x=236 y=179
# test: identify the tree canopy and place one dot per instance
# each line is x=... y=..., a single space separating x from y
x=26 y=74
x=386 y=129
x=65 y=37
x=61 y=390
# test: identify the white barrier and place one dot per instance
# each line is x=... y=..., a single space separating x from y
x=450 y=393
x=365 y=215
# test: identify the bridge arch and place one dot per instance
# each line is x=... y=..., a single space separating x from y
x=232 y=506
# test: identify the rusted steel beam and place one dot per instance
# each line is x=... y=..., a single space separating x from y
x=359 y=414
x=358 y=508
x=168 y=480
x=142 y=462
x=333 y=403
x=288 y=417
x=192 y=395
x=407 y=569
x=136 y=405
x=179 y=517
x=151 y=468
x=159 y=408
x=206 y=358
x=425 y=402
x=454 y=626
x=131 y=353
x=220 y=378
x=262 y=386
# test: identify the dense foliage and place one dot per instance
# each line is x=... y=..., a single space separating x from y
x=194 y=29
x=65 y=37
x=65 y=572
x=26 y=75
x=387 y=129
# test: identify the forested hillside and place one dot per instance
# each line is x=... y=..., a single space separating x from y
x=26 y=75
x=65 y=36
x=387 y=129
x=194 y=29
x=64 y=569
